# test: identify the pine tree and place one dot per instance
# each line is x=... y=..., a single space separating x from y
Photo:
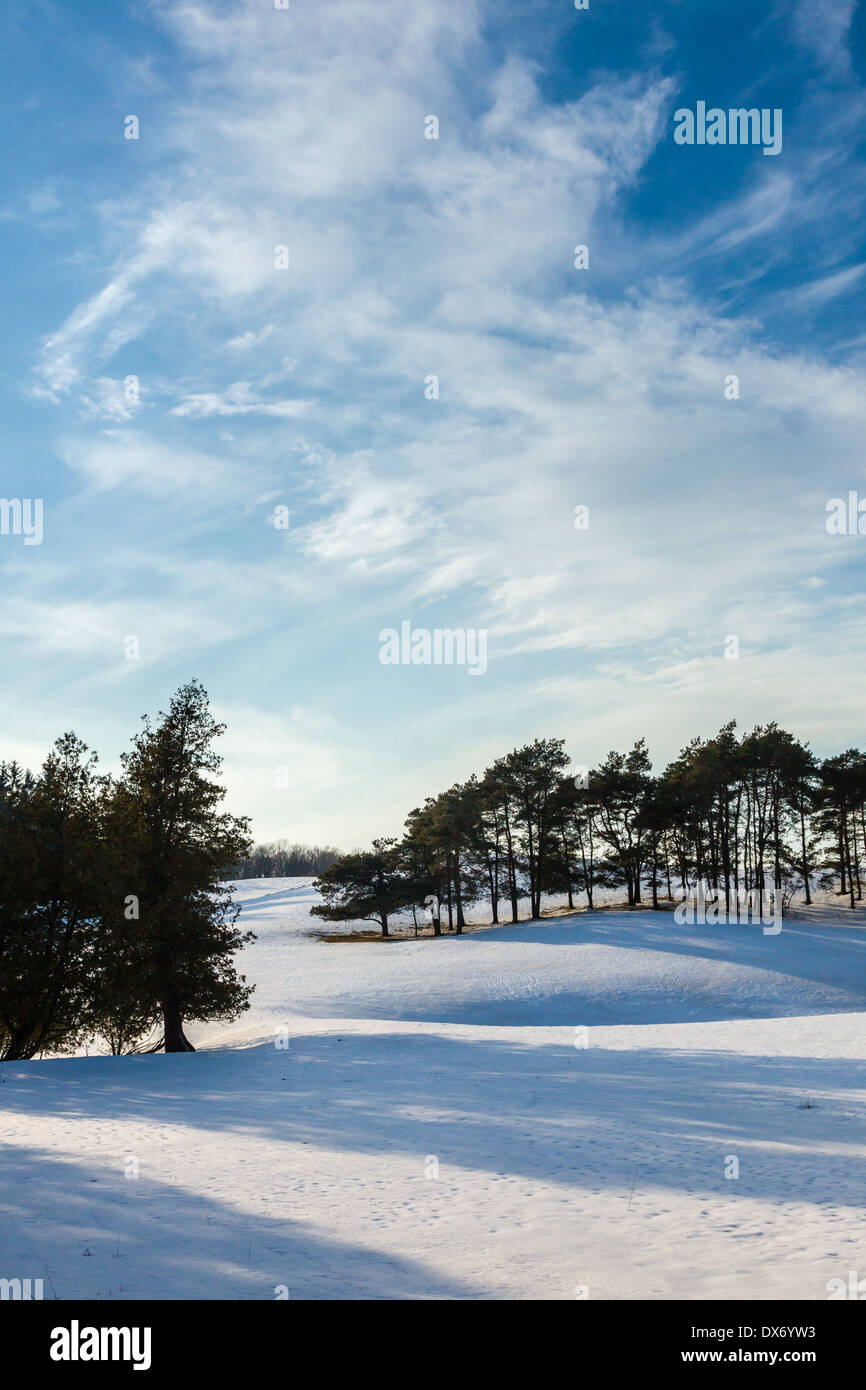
x=50 y=868
x=176 y=847
x=365 y=885
x=528 y=779
x=124 y=1016
x=623 y=785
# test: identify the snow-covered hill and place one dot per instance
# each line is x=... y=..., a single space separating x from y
x=524 y=1112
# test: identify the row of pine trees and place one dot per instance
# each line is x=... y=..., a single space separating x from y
x=115 y=922
x=731 y=813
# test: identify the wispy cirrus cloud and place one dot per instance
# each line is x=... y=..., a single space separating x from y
x=238 y=399
x=431 y=387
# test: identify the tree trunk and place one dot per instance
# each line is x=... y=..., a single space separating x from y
x=20 y=1047
x=494 y=905
x=512 y=868
x=458 y=893
x=847 y=844
x=175 y=1040
x=805 y=859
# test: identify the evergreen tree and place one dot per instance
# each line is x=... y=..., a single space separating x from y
x=126 y=1017
x=840 y=799
x=367 y=885
x=527 y=780
x=177 y=846
x=50 y=867
x=622 y=787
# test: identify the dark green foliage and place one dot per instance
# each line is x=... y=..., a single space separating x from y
x=114 y=919
x=364 y=886
x=734 y=814
x=177 y=848
x=49 y=900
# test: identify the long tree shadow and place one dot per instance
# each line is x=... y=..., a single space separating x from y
x=553 y=1112
x=289 y=897
x=107 y=1237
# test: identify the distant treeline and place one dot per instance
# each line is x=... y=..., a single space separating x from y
x=737 y=814
x=281 y=859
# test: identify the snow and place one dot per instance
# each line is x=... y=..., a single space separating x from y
x=534 y=1111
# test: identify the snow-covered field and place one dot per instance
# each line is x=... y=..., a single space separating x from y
x=528 y=1112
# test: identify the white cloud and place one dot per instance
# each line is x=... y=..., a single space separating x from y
x=826 y=287
x=822 y=27
x=237 y=399
x=291 y=767
x=118 y=458
x=453 y=257
x=252 y=338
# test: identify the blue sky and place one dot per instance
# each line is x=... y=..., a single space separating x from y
x=304 y=388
